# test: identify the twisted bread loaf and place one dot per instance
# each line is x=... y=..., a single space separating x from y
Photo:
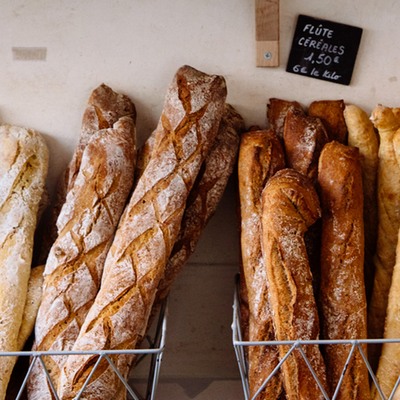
x=289 y=206
x=23 y=169
x=146 y=234
x=260 y=157
x=342 y=293
x=86 y=227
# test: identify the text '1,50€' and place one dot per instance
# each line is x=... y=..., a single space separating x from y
x=324 y=50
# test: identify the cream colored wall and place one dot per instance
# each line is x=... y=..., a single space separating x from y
x=135 y=46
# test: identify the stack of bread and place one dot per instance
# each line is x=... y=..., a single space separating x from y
x=117 y=238
x=309 y=230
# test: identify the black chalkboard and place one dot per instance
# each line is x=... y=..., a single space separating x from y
x=324 y=49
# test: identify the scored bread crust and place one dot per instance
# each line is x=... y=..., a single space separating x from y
x=205 y=196
x=342 y=293
x=104 y=108
x=23 y=169
x=260 y=157
x=146 y=234
x=362 y=135
x=388 y=191
x=86 y=227
x=290 y=205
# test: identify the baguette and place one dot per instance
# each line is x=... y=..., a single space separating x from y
x=260 y=157
x=389 y=367
x=277 y=110
x=86 y=227
x=146 y=234
x=103 y=110
x=204 y=197
x=23 y=169
x=389 y=223
x=290 y=205
x=331 y=114
x=342 y=292
x=362 y=135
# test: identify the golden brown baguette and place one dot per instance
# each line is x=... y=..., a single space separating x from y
x=260 y=157
x=277 y=110
x=104 y=108
x=303 y=137
x=86 y=226
x=205 y=196
x=331 y=114
x=23 y=170
x=342 y=292
x=362 y=135
x=389 y=222
x=290 y=205
x=389 y=366
x=146 y=233
x=143 y=156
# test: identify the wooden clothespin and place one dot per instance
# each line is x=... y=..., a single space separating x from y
x=267 y=33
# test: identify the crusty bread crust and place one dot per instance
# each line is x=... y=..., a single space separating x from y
x=342 y=293
x=389 y=223
x=147 y=231
x=86 y=226
x=290 y=205
x=260 y=157
x=23 y=170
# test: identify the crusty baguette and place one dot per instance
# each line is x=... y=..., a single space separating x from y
x=331 y=114
x=389 y=222
x=143 y=156
x=342 y=292
x=86 y=226
x=32 y=303
x=290 y=205
x=147 y=231
x=205 y=196
x=104 y=108
x=277 y=110
x=389 y=366
x=303 y=137
x=362 y=135
x=23 y=169
x=260 y=157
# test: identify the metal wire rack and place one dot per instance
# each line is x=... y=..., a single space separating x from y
x=239 y=346
x=155 y=350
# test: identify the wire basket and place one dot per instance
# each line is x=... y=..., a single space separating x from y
x=240 y=345
x=154 y=350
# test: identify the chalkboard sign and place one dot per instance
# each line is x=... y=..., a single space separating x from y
x=324 y=50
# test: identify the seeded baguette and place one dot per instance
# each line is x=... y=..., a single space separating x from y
x=86 y=226
x=260 y=157
x=290 y=205
x=147 y=232
x=23 y=170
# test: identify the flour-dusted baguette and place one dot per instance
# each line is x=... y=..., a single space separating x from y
x=260 y=157
x=389 y=366
x=23 y=169
x=290 y=205
x=144 y=155
x=389 y=223
x=331 y=114
x=86 y=226
x=147 y=231
x=277 y=110
x=104 y=108
x=342 y=293
x=205 y=196
x=362 y=135
x=303 y=137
